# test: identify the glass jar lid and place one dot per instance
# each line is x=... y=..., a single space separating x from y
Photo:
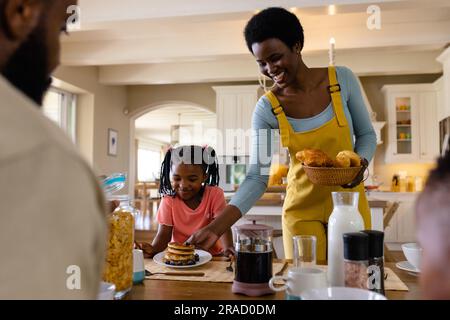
x=114 y=182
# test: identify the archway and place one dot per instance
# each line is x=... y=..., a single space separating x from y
x=136 y=114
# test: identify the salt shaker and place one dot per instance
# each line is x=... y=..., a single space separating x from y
x=356 y=259
x=376 y=261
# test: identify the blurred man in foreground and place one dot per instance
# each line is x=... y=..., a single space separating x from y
x=52 y=222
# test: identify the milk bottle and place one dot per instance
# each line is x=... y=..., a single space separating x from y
x=344 y=218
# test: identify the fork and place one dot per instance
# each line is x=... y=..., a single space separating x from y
x=280 y=273
x=230 y=266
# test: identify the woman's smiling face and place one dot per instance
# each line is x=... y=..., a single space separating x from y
x=276 y=61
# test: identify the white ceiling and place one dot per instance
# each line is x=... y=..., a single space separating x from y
x=182 y=41
x=155 y=125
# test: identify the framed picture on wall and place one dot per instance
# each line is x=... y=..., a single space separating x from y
x=112 y=142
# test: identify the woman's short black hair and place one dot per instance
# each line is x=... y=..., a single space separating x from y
x=276 y=23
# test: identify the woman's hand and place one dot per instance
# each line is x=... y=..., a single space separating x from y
x=360 y=177
x=206 y=237
x=203 y=239
x=146 y=248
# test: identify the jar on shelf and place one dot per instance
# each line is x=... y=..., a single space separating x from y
x=119 y=256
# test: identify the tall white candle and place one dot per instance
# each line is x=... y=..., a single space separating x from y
x=331 y=52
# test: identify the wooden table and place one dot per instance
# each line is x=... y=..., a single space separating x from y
x=190 y=290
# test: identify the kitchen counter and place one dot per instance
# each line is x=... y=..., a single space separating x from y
x=376 y=199
x=391 y=196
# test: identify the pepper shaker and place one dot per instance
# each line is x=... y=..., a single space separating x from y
x=376 y=261
x=356 y=259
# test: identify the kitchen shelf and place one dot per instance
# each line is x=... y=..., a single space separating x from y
x=404 y=125
x=404 y=140
x=403 y=111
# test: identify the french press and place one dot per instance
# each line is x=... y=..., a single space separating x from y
x=253 y=259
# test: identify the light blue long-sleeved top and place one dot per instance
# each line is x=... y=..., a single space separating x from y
x=265 y=132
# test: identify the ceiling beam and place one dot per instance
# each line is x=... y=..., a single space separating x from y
x=229 y=42
x=94 y=13
x=382 y=62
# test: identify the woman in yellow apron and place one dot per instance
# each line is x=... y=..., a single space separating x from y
x=318 y=108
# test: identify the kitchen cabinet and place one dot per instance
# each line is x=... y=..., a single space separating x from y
x=444 y=84
x=234 y=109
x=412 y=116
x=402 y=227
x=440 y=100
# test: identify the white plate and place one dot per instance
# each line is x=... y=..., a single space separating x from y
x=405 y=265
x=204 y=257
x=340 y=293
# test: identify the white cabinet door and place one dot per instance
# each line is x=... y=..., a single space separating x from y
x=390 y=231
x=234 y=108
x=402 y=227
x=403 y=127
x=246 y=105
x=406 y=222
x=440 y=102
x=226 y=109
x=429 y=130
x=413 y=131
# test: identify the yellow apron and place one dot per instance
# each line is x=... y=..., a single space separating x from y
x=307 y=207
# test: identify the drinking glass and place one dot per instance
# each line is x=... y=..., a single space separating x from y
x=304 y=250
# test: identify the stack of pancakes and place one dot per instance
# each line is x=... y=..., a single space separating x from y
x=178 y=254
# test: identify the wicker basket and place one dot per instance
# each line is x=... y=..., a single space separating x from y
x=331 y=176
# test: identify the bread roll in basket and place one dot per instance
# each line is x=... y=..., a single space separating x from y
x=324 y=171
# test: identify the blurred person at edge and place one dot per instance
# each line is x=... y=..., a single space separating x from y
x=52 y=245
x=433 y=232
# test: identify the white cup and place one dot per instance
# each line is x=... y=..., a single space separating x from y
x=138 y=266
x=298 y=280
x=413 y=253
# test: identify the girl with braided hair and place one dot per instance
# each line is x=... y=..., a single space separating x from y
x=191 y=198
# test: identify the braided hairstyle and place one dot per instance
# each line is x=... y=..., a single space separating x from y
x=197 y=155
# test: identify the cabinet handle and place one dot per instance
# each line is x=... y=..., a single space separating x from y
x=423 y=153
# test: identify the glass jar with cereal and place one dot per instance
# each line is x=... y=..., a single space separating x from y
x=119 y=257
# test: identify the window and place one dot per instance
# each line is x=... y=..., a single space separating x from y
x=60 y=107
x=148 y=161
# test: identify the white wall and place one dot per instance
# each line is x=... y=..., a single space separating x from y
x=100 y=107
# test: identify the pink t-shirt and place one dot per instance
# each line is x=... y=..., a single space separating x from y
x=185 y=221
